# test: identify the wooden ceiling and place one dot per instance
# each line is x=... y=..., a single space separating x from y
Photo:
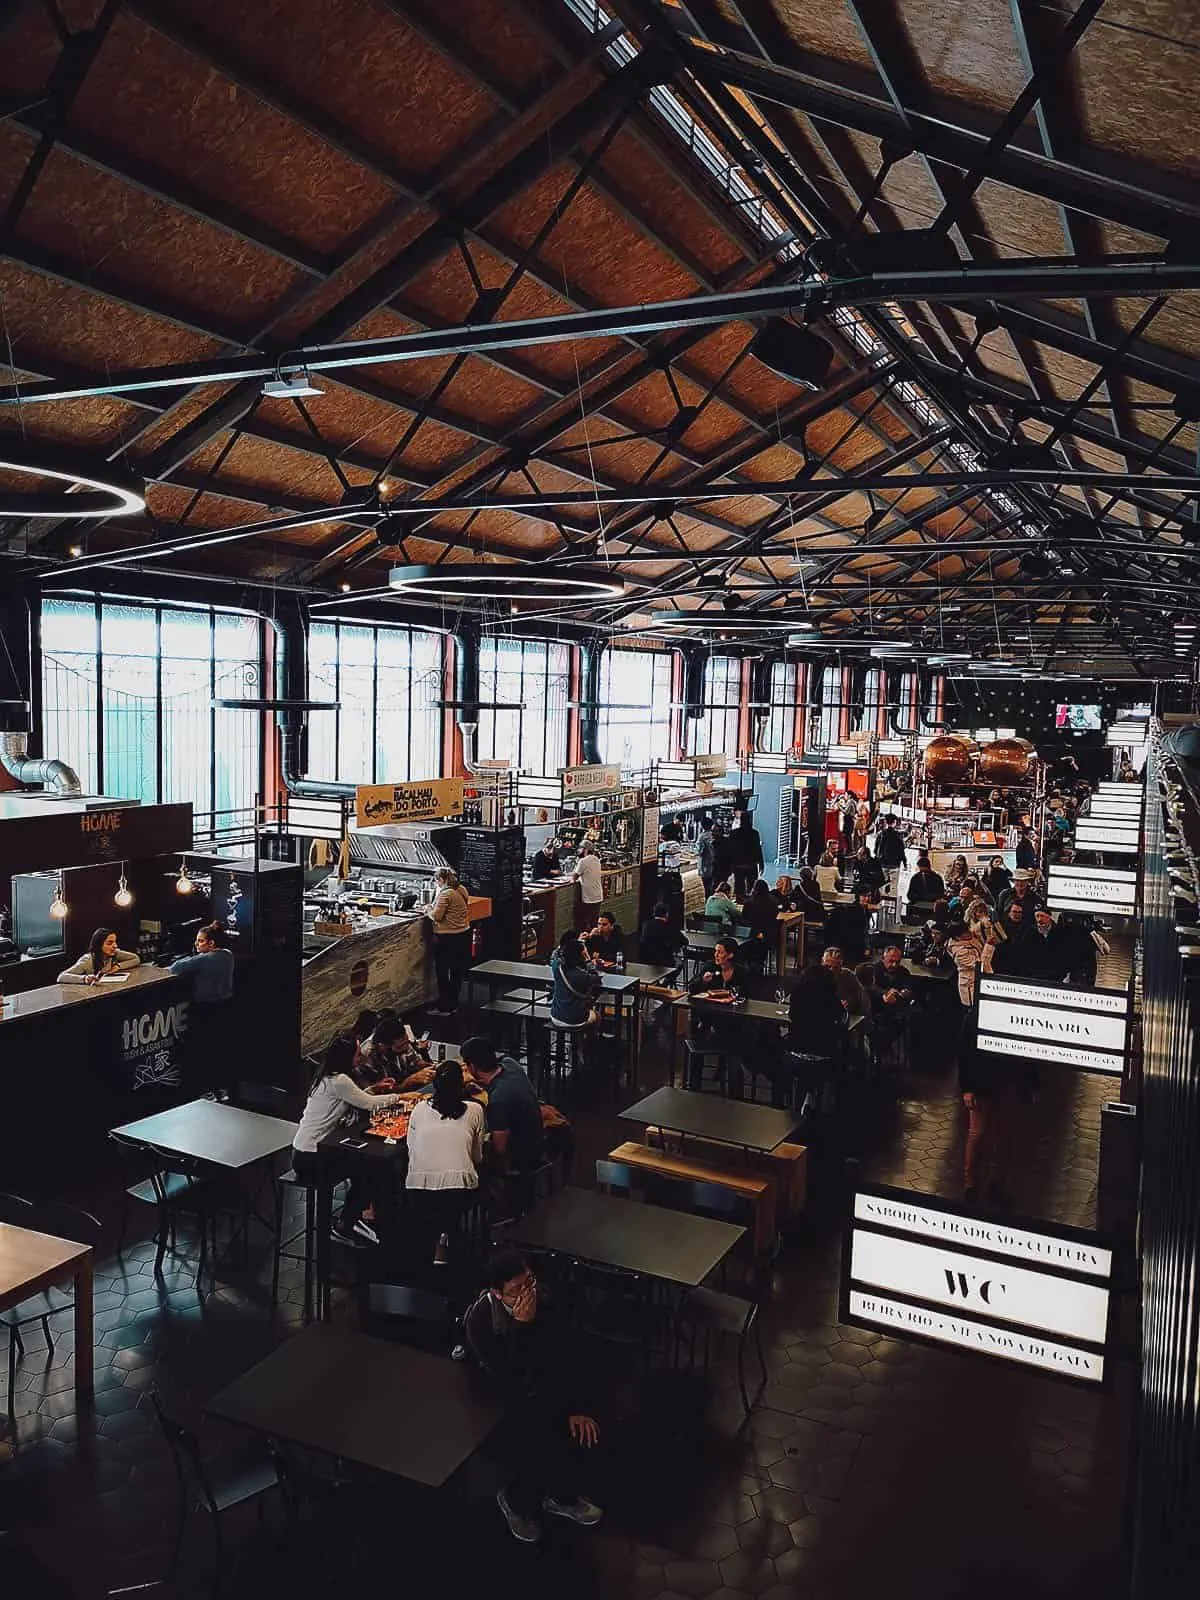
x=185 y=180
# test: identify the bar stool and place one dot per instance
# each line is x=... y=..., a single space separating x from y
x=285 y=1183
x=561 y=1060
x=699 y=1057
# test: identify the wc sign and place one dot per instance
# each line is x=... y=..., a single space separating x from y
x=921 y=1268
x=150 y=1044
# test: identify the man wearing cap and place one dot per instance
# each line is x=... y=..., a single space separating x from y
x=1021 y=890
x=1048 y=959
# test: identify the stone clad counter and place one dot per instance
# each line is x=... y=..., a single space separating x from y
x=387 y=963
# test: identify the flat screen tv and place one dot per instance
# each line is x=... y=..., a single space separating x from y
x=1078 y=719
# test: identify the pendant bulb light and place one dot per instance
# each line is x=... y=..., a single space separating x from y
x=124 y=895
x=183 y=884
x=58 y=906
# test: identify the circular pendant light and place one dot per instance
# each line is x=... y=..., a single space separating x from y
x=58 y=907
x=124 y=894
x=464 y=583
x=100 y=489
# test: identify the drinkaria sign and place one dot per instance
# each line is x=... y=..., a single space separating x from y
x=1083 y=1028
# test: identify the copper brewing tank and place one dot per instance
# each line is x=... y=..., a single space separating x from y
x=1004 y=761
x=948 y=758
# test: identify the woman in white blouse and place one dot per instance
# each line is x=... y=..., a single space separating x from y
x=445 y=1150
x=103 y=958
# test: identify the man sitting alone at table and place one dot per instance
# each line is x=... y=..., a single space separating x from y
x=659 y=944
x=605 y=942
x=513 y=1118
x=850 y=991
x=514 y=1333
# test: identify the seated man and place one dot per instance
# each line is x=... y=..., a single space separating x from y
x=925 y=886
x=933 y=952
x=513 y=1117
x=866 y=875
x=525 y=1349
x=659 y=944
x=893 y=987
x=606 y=942
x=849 y=927
x=849 y=990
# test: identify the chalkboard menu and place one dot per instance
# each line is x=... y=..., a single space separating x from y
x=491 y=863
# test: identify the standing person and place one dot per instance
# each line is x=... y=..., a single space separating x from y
x=925 y=886
x=333 y=1096
x=866 y=875
x=546 y=862
x=969 y=951
x=706 y=854
x=1080 y=947
x=1048 y=959
x=210 y=969
x=747 y=855
x=1017 y=956
x=889 y=846
x=993 y=1088
x=103 y=958
x=590 y=878
x=445 y=1152
x=957 y=874
x=514 y=1333
x=451 y=940
x=847 y=805
x=1027 y=856
x=996 y=880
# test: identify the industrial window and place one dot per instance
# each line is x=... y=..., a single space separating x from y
x=532 y=678
x=716 y=731
x=386 y=683
x=127 y=700
x=781 y=732
x=831 y=708
x=635 y=712
x=872 y=695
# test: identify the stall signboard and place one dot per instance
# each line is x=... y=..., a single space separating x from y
x=924 y=1269
x=650 y=834
x=1106 y=891
x=843 y=755
x=581 y=783
x=1117 y=786
x=1128 y=734
x=379 y=803
x=1111 y=804
x=710 y=767
x=43 y=835
x=1083 y=1028
x=1118 y=836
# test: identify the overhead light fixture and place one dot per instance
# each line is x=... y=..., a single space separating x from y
x=75 y=552
x=900 y=250
x=797 y=354
x=183 y=884
x=97 y=488
x=124 y=895
x=294 y=385
x=463 y=583
x=58 y=907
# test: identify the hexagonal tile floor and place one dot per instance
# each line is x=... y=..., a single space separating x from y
x=868 y=1466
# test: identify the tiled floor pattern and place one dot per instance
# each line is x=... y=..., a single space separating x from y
x=869 y=1467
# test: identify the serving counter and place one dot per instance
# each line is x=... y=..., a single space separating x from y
x=386 y=962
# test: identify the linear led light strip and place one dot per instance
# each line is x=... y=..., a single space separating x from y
x=757 y=210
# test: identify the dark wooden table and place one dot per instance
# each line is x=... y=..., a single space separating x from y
x=620 y=987
x=707 y=1116
x=380 y=1405
x=210 y=1132
x=670 y=1246
x=755 y=1012
x=33 y=1262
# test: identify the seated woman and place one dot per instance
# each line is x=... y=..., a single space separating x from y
x=576 y=983
x=806 y=896
x=726 y=972
x=333 y=1097
x=445 y=1151
x=721 y=903
x=761 y=916
x=103 y=958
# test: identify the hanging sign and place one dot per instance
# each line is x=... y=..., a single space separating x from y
x=1084 y=1028
x=379 y=803
x=710 y=767
x=581 y=783
x=924 y=1269
x=1108 y=834
x=1104 y=890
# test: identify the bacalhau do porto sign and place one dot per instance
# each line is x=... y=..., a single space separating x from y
x=921 y=1268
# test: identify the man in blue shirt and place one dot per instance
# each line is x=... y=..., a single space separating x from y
x=210 y=970
x=210 y=967
x=513 y=1117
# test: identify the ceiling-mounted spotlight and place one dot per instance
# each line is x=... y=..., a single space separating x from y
x=58 y=907
x=124 y=895
x=293 y=385
x=797 y=354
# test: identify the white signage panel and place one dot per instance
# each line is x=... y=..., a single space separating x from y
x=1083 y=1028
x=1116 y=837
x=924 y=1269
x=1104 y=890
x=1112 y=805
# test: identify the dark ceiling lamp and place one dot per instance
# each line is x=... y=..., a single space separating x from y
x=792 y=352
x=1034 y=564
x=98 y=488
x=901 y=250
x=1023 y=456
x=466 y=583
x=877 y=517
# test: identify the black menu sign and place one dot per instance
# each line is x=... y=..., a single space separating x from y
x=491 y=864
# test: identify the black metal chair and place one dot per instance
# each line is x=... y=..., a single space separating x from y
x=707 y=1314
x=62 y=1221
x=218 y=1487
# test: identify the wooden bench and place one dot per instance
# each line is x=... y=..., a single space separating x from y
x=756 y=1190
x=786 y=1166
